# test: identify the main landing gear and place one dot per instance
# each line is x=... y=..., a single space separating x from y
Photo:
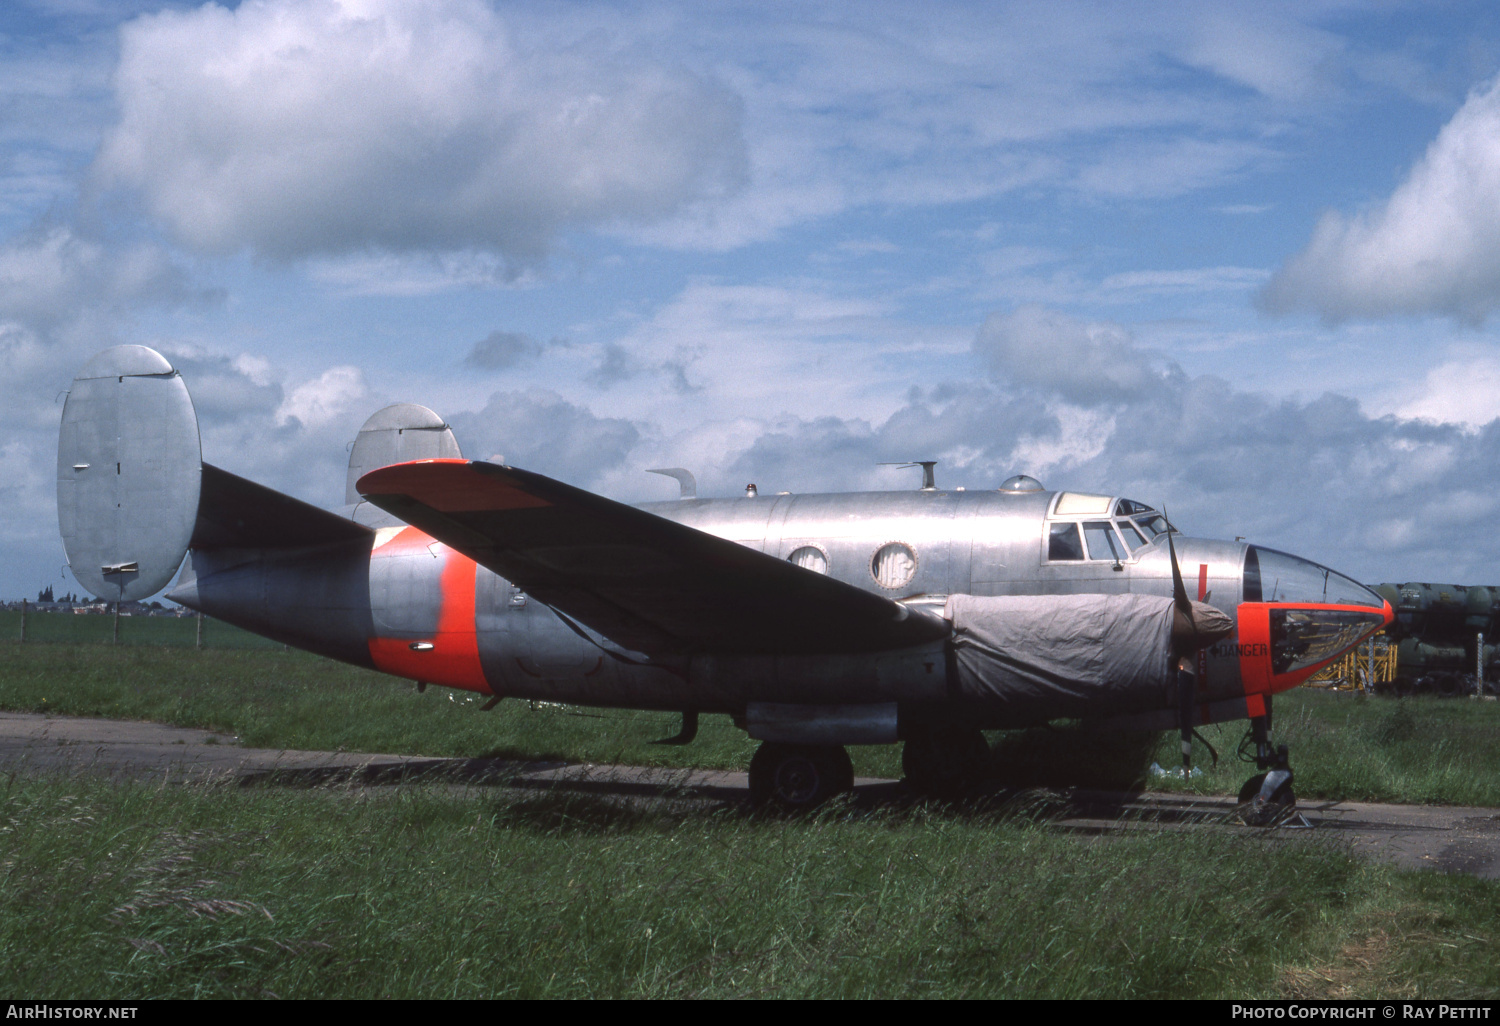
x=942 y=761
x=1267 y=798
x=799 y=778
x=939 y=761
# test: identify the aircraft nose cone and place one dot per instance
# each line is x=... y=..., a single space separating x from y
x=1299 y=616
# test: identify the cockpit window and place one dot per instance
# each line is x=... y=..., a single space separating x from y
x=1102 y=543
x=1155 y=525
x=1063 y=543
x=1134 y=525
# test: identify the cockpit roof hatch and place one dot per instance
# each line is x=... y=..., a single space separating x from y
x=1081 y=504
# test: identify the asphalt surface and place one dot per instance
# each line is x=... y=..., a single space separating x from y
x=1445 y=838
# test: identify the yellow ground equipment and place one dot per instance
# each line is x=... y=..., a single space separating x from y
x=1363 y=669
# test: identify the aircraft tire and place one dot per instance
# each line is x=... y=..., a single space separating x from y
x=942 y=762
x=798 y=778
x=1282 y=802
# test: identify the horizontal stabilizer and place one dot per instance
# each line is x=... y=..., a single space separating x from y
x=235 y=513
x=643 y=581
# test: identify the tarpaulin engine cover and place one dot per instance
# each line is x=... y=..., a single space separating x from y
x=1043 y=657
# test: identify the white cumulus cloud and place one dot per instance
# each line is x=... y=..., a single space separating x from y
x=50 y=272
x=1464 y=391
x=316 y=402
x=1083 y=362
x=338 y=126
x=1432 y=247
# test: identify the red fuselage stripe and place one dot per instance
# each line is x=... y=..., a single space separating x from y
x=453 y=659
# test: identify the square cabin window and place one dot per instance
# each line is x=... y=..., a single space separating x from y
x=1063 y=543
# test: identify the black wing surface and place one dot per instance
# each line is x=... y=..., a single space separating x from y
x=645 y=582
x=239 y=514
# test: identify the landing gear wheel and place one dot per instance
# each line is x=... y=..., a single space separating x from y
x=1262 y=812
x=941 y=762
x=799 y=778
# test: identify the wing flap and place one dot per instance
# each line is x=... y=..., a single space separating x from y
x=641 y=580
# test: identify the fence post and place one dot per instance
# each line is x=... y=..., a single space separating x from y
x=1479 y=664
x=198 y=642
x=117 y=624
x=24 y=604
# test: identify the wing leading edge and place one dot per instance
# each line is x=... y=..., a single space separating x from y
x=641 y=580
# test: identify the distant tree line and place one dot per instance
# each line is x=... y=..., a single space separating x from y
x=45 y=595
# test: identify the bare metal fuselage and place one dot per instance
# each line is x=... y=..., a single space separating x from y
x=403 y=603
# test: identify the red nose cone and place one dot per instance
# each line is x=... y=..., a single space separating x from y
x=1284 y=643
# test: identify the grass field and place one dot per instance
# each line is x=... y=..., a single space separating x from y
x=417 y=891
x=156 y=631
x=134 y=891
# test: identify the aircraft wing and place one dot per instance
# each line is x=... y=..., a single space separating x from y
x=643 y=581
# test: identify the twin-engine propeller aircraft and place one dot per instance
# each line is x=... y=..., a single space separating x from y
x=815 y=621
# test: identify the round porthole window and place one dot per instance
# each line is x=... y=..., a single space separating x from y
x=894 y=565
x=810 y=557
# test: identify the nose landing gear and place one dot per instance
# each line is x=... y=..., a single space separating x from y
x=1267 y=798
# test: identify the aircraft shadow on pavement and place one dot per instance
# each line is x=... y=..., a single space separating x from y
x=1042 y=773
x=567 y=791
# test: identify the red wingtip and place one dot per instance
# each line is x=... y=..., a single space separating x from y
x=448 y=486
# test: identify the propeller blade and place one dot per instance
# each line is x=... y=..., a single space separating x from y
x=1179 y=590
x=1185 y=680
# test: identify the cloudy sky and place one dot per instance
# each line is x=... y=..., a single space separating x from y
x=1239 y=259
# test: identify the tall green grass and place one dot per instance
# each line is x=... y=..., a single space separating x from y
x=197 y=891
x=135 y=891
x=1421 y=750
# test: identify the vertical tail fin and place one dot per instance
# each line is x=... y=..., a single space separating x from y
x=129 y=470
x=398 y=434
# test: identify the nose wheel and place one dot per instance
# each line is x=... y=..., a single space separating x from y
x=1267 y=799
x=798 y=778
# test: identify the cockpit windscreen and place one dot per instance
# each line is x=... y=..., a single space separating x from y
x=1154 y=525
x=1272 y=576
